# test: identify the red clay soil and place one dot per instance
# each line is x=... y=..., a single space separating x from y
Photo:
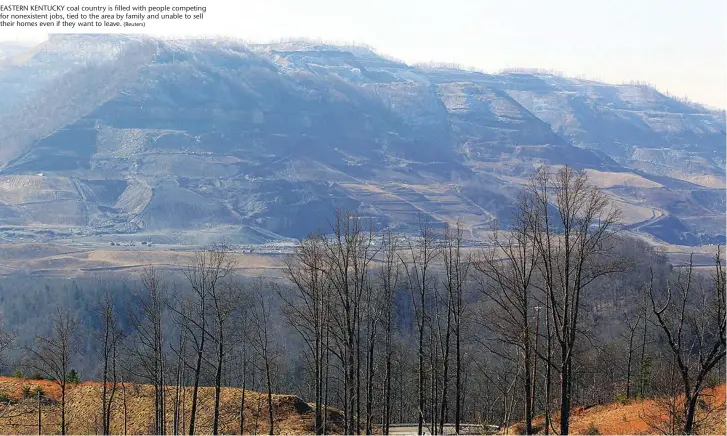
x=636 y=417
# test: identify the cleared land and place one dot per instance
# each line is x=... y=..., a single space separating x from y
x=20 y=416
x=636 y=417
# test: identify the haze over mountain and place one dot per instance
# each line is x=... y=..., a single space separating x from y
x=181 y=141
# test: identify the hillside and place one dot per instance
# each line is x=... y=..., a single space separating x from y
x=635 y=417
x=292 y=415
x=180 y=141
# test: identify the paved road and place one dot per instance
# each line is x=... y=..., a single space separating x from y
x=411 y=429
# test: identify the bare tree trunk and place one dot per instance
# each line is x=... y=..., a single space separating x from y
x=51 y=355
x=206 y=275
x=565 y=386
x=325 y=389
x=421 y=258
x=711 y=346
x=39 y=413
x=218 y=382
x=195 y=388
x=445 y=370
x=63 y=409
x=628 y=364
x=458 y=376
x=105 y=380
x=123 y=390
x=420 y=424
x=642 y=369
x=242 y=396
x=548 y=363
x=390 y=279
x=358 y=371
x=180 y=379
x=270 y=396
x=370 y=381
x=571 y=243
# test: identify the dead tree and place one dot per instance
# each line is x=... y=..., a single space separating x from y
x=51 y=355
x=572 y=224
x=693 y=323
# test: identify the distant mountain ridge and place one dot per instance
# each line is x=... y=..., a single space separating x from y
x=126 y=135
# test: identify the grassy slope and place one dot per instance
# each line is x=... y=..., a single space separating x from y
x=292 y=415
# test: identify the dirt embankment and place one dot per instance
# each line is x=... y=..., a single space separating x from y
x=19 y=415
x=637 y=417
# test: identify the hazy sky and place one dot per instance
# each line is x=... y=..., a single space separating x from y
x=679 y=46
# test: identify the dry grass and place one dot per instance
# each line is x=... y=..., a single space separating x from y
x=634 y=417
x=291 y=414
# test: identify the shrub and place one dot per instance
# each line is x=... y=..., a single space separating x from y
x=4 y=397
x=26 y=391
x=73 y=377
x=18 y=373
x=622 y=399
x=592 y=429
x=37 y=376
x=38 y=391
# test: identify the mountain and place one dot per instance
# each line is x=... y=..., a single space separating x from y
x=134 y=137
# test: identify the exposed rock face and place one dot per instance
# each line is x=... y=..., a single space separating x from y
x=119 y=134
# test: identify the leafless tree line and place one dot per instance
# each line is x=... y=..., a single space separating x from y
x=426 y=328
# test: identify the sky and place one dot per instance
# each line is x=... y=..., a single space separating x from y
x=676 y=45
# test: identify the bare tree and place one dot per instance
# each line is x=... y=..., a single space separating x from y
x=348 y=254
x=456 y=268
x=51 y=355
x=109 y=336
x=509 y=269
x=373 y=313
x=262 y=314
x=457 y=265
x=389 y=278
x=242 y=355
x=147 y=347
x=224 y=299
x=180 y=377
x=573 y=240
x=693 y=323
x=633 y=321
x=307 y=309
x=7 y=340
x=205 y=275
x=417 y=264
